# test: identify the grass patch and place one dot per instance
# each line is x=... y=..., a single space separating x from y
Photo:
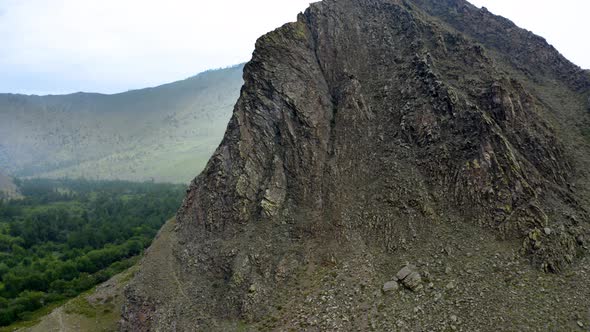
x=242 y=327
x=129 y=274
x=34 y=317
x=106 y=314
x=81 y=306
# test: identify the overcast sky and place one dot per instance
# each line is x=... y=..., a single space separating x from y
x=63 y=46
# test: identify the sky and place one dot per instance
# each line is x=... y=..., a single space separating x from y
x=109 y=46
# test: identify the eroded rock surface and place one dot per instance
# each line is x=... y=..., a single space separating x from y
x=367 y=131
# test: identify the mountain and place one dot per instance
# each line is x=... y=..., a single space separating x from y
x=407 y=165
x=166 y=133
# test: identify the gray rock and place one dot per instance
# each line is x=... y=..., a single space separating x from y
x=252 y=288
x=547 y=231
x=405 y=271
x=437 y=297
x=410 y=278
x=413 y=281
x=390 y=286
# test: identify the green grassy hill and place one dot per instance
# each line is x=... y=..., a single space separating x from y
x=166 y=133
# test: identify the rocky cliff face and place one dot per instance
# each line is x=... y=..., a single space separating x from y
x=368 y=132
x=8 y=189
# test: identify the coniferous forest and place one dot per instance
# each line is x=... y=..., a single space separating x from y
x=66 y=236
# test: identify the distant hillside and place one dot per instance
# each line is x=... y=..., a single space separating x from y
x=166 y=133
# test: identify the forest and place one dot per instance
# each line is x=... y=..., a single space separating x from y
x=66 y=236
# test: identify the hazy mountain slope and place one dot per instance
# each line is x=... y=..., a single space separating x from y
x=166 y=133
x=368 y=135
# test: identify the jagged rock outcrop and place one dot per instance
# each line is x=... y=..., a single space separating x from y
x=8 y=189
x=365 y=129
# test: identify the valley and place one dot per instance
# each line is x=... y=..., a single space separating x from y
x=166 y=133
x=63 y=237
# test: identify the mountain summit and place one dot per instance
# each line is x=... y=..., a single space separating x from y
x=376 y=135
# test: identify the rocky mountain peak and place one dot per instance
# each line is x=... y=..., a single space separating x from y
x=368 y=131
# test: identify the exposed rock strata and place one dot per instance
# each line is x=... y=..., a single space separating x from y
x=362 y=127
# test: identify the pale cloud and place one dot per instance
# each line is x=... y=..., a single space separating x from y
x=113 y=45
x=59 y=46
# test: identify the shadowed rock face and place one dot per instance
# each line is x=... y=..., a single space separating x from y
x=363 y=125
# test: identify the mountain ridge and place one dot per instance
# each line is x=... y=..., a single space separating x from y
x=128 y=135
x=196 y=76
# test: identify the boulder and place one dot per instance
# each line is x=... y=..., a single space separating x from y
x=410 y=277
x=413 y=281
x=405 y=271
x=390 y=286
